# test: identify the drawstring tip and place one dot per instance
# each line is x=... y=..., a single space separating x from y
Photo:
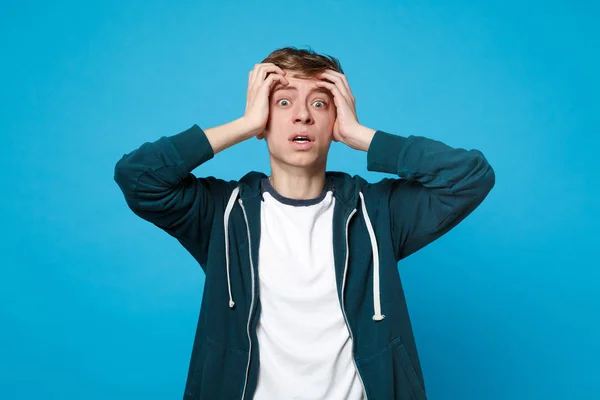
x=231 y=304
x=378 y=317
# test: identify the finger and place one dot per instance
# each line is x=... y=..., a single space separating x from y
x=257 y=67
x=347 y=85
x=249 y=90
x=338 y=98
x=262 y=70
x=266 y=86
x=260 y=73
x=341 y=92
x=340 y=83
x=341 y=80
x=271 y=79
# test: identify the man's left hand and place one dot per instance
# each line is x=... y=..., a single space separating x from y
x=346 y=129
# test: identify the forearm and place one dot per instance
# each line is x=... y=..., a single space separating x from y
x=439 y=186
x=359 y=138
x=158 y=186
x=177 y=155
x=173 y=157
x=430 y=162
x=227 y=135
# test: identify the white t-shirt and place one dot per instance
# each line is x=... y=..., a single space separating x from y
x=305 y=348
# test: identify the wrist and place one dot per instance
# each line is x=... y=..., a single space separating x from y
x=229 y=134
x=360 y=137
x=248 y=127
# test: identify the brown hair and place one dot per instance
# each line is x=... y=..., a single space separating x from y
x=307 y=62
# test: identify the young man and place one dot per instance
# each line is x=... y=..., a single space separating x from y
x=302 y=296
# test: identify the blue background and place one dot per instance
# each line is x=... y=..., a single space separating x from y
x=99 y=304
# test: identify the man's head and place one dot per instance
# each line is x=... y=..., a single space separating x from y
x=300 y=108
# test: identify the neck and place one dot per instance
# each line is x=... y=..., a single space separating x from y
x=298 y=183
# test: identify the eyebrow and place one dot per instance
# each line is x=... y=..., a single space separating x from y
x=314 y=90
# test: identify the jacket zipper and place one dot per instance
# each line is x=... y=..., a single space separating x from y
x=344 y=307
x=252 y=303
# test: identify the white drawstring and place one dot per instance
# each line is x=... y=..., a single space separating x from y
x=374 y=248
x=376 y=295
x=230 y=204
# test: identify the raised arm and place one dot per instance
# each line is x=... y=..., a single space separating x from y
x=439 y=186
x=159 y=187
x=157 y=181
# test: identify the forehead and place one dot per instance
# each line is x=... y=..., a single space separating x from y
x=297 y=83
x=293 y=76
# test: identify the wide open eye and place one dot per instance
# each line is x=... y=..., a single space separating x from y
x=283 y=100
x=321 y=102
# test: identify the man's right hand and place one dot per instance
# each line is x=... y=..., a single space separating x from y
x=256 y=114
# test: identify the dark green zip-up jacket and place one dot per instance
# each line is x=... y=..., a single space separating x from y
x=374 y=226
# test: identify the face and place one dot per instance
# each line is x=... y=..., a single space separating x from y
x=300 y=108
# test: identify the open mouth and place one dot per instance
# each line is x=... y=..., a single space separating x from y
x=301 y=139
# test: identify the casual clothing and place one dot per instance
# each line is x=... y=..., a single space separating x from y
x=373 y=226
x=305 y=346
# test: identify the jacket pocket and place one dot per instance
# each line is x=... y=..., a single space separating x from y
x=411 y=374
x=389 y=374
x=220 y=373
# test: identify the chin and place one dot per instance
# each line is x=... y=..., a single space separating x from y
x=312 y=162
x=303 y=160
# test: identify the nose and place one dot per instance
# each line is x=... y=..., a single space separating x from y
x=302 y=114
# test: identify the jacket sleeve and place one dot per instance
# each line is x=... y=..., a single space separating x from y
x=159 y=187
x=439 y=186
